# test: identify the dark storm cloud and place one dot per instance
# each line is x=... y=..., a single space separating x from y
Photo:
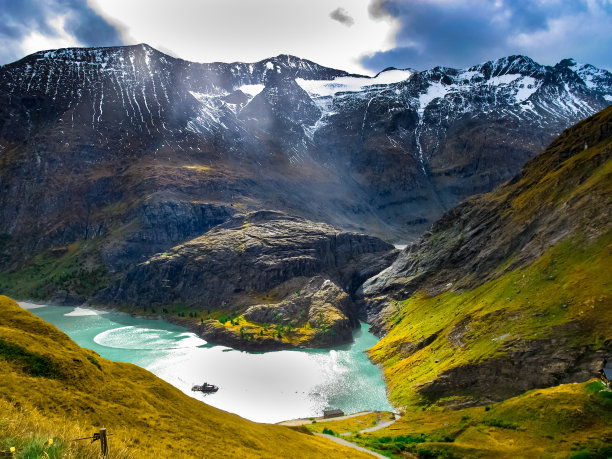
x=460 y=33
x=19 y=18
x=342 y=16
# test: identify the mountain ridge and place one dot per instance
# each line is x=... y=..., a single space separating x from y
x=91 y=150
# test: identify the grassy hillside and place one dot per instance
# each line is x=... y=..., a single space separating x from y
x=52 y=388
x=567 y=421
x=73 y=268
x=564 y=296
x=511 y=290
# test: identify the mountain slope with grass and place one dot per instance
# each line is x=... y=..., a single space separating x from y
x=566 y=421
x=52 y=388
x=509 y=291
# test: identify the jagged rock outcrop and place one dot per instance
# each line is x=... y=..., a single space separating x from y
x=299 y=267
x=246 y=256
x=525 y=365
x=157 y=225
x=316 y=296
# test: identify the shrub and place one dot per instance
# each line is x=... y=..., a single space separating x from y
x=93 y=360
x=500 y=423
x=584 y=454
x=427 y=453
x=32 y=363
x=407 y=439
x=602 y=453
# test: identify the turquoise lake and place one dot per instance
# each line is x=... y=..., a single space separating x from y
x=263 y=387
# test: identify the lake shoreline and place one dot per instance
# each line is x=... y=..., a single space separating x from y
x=214 y=332
x=262 y=386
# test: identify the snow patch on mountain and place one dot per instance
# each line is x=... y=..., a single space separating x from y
x=434 y=91
x=251 y=89
x=573 y=103
x=589 y=74
x=526 y=86
x=470 y=75
x=210 y=115
x=518 y=88
x=350 y=84
x=391 y=76
x=503 y=79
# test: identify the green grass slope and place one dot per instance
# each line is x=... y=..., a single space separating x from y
x=566 y=421
x=511 y=290
x=52 y=388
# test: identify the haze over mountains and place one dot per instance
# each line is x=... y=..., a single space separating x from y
x=140 y=151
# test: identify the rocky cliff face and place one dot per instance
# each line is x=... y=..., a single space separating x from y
x=162 y=224
x=250 y=254
x=261 y=256
x=505 y=292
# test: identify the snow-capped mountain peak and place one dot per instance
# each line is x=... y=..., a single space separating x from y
x=418 y=141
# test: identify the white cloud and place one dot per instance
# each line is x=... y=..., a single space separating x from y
x=567 y=36
x=35 y=41
x=249 y=30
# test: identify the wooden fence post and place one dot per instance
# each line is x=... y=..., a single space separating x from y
x=103 y=442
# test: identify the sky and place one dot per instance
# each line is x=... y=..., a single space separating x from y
x=361 y=36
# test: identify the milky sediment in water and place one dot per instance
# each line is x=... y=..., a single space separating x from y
x=264 y=387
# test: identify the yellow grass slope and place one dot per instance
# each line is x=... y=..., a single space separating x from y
x=566 y=421
x=46 y=376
